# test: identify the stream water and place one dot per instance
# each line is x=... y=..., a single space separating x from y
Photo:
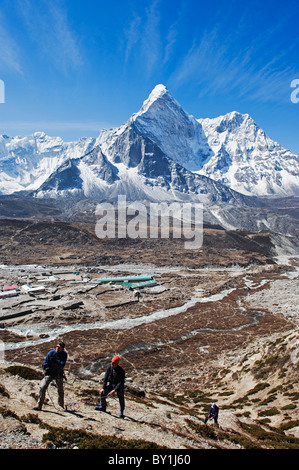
x=124 y=323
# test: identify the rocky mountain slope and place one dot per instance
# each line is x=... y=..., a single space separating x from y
x=220 y=325
x=162 y=154
x=231 y=149
x=26 y=161
x=137 y=168
x=256 y=394
x=246 y=159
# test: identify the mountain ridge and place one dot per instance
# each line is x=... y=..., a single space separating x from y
x=136 y=166
x=247 y=159
x=230 y=149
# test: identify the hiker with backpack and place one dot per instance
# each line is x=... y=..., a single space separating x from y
x=213 y=413
x=53 y=367
x=114 y=381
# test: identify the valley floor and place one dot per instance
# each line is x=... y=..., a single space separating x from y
x=216 y=333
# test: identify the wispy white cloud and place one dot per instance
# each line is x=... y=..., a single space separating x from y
x=173 y=35
x=132 y=35
x=214 y=65
x=142 y=37
x=151 y=40
x=48 y=27
x=9 y=53
x=48 y=126
x=64 y=129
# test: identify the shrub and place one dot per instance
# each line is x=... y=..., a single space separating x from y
x=291 y=406
x=65 y=438
x=24 y=372
x=6 y=413
x=208 y=432
x=3 y=391
x=89 y=392
x=270 y=412
x=31 y=418
x=258 y=388
x=203 y=430
x=274 y=439
x=289 y=425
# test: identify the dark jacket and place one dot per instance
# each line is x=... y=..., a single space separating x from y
x=115 y=377
x=55 y=362
x=213 y=413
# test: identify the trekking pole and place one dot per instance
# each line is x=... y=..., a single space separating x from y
x=51 y=400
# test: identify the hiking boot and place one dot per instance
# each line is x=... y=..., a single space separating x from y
x=37 y=408
x=100 y=408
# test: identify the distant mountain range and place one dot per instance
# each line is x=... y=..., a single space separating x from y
x=161 y=154
x=159 y=148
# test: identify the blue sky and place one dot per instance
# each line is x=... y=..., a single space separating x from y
x=73 y=67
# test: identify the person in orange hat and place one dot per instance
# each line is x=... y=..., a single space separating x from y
x=114 y=381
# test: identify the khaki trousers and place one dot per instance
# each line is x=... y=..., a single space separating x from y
x=45 y=384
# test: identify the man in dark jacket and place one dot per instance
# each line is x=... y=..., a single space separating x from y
x=114 y=381
x=213 y=413
x=53 y=366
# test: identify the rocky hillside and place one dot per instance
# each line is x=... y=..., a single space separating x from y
x=220 y=325
x=255 y=390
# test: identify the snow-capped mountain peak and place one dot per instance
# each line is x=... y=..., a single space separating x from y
x=158 y=92
x=246 y=159
x=27 y=161
x=178 y=134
